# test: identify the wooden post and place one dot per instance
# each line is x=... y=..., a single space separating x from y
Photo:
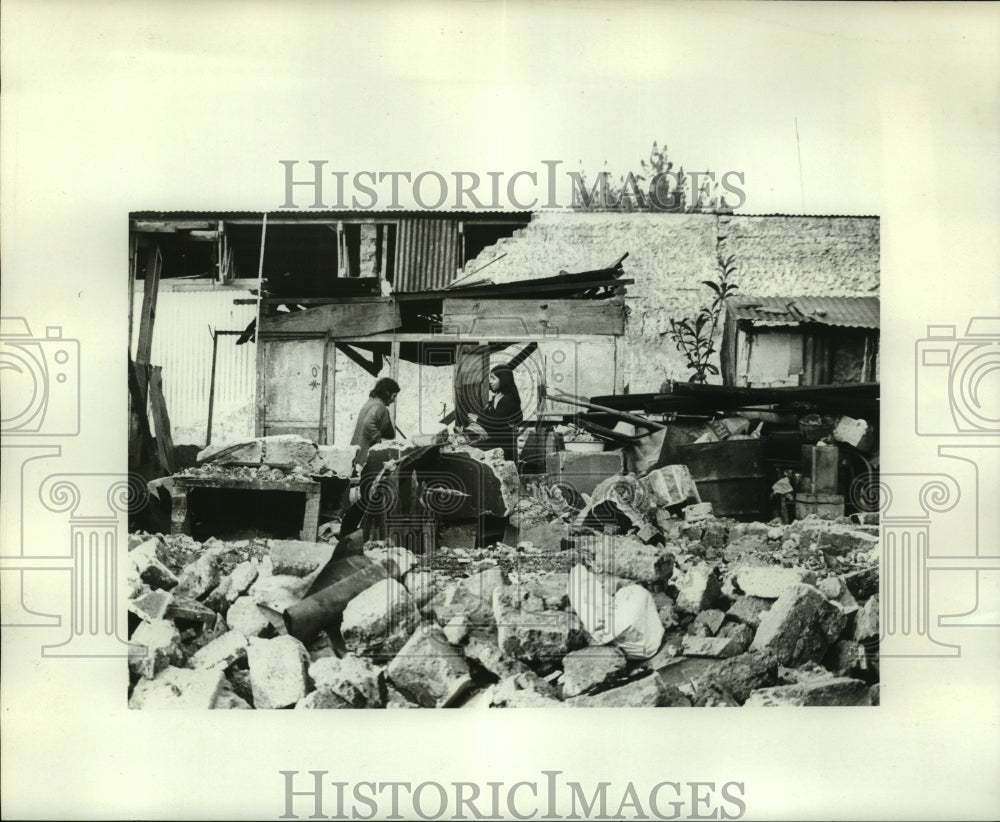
x=211 y=386
x=260 y=386
x=394 y=371
x=133 y=262
x=151 y=288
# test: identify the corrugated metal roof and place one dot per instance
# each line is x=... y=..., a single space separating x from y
x=426 y=254
x=847 y=312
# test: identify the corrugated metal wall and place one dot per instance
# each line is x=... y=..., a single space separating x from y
x=182 y=345
x=427 y=254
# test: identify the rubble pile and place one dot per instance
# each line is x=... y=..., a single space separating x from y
x=629 y=605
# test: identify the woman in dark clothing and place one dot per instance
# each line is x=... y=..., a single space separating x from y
x=502 y=415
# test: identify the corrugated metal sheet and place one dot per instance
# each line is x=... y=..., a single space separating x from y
x=182 y=345
x=426 y=254
x=846 y=312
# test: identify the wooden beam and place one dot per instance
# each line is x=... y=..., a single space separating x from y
x=470 y=316
x=161 y=420
x=151 y=287
x=339 y=321
x=172 y=226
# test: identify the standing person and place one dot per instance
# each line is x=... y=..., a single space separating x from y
x=374 y=423
x=502 y=415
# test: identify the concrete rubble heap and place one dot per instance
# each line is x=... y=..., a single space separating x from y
x=673 y=612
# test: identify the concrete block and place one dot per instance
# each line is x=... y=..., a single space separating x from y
x=770 y=581
x=429 y=670
x=866 y=627
x=289 y=449
x=698 y=587
x=747 y=610
x=201 y=576
x=627 y=556
x=277 y=671
x=590 y=669
x=800 y=626
x=145 y=566
x=154 y=646
x=179 y=688
x=224 y=650
x=831 y=692
x=740 y=675
x=584 y=472
x=671 y=485
x=153 y=605
x=707 y=623
x=278 y=592
x=648 y=692
x=836 y=590
x=336 y=459
x=380 y=619
x=739 y=633
x=354 y=680
x=717 y=647
x=524 y=690
x=298 y=558
x=246 y=616
x=533 y=636
x=420 y=584
x=242 y=577
x=482 y=647
x=456 y=629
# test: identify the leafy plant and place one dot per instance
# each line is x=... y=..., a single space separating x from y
x=695 y=336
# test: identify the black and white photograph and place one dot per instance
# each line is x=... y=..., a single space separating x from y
x=493 y=358
x=467 y=460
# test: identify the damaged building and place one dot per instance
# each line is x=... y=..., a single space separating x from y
x=642 y=539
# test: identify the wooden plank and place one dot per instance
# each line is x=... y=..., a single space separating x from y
x=339 y=321
x=172 y=226
x=561 y=317
x=151 y=288
x=161 y=420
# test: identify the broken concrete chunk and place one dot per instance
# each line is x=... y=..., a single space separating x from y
x=179 y=688
x=397 y=561
x=155 y=646
x=339 y=461
x=748 y=610
x=481 y=646
x=323 y=700
x=741 y=634
x=711 y=646
x=471 y=597
x=277 y=671
x=671 y=485
x=770 y=581
x=430 y=670
x=833 y=691
x=298 y=558
x=526 y=690
x=629 y=557
x=866 y=627
x=223 y=650
x=145 y=566
x=279 y=592
x=707 y=623
x=246 y=616
x=847 y=658
x=289 y=449
x=800 y=626
x=153 y=605
x=354 y=680
x=201 y=576
x=648 y=692
x=740 y=675
x=380 y=619
x=420 y=584
x=698 y=588
x=533 y=636
x=836 y=590
x=862 y=583
x=457 y=629
x=228 y=699
x=591 y=669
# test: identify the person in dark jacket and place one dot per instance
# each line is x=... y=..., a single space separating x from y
x=502 y=415
x=374 y=423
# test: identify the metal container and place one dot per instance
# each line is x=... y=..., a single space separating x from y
x=731 y=475
x=819 y=469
